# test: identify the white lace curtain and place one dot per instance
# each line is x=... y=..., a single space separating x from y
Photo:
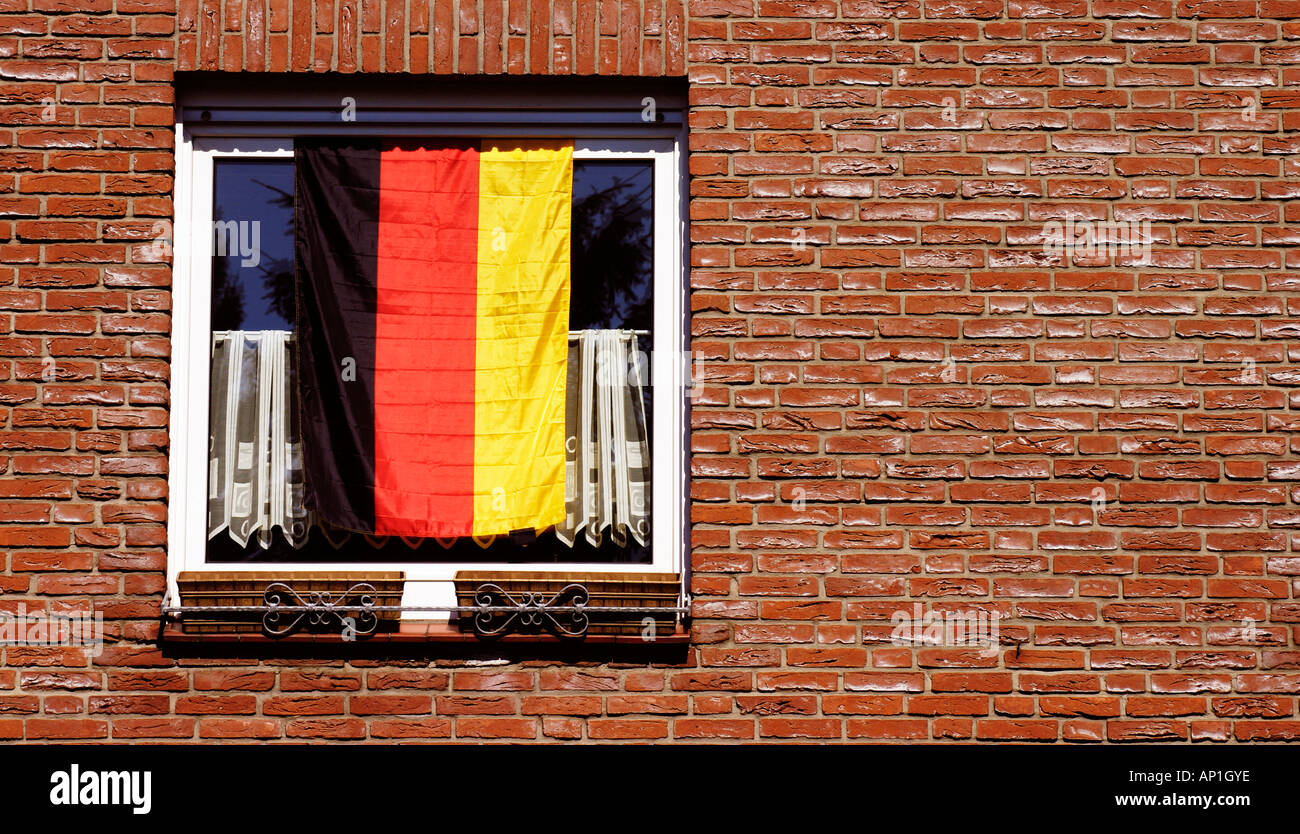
x=255 y=474
x=255 y=477
x=607 y=462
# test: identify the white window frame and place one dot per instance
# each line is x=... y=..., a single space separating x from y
x=427 y=584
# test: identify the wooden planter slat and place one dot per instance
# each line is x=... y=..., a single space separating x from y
x=625 y=590
x=202 y=588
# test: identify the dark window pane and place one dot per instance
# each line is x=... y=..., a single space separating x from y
x=252 y=246
x=613 y=245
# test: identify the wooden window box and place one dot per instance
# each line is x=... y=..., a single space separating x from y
x=202 y=589
x=624 y=603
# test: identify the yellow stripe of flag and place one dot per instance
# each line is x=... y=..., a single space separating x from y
x=525 y=200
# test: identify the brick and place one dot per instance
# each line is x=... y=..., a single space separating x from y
x=239 y=728
x=490 y=728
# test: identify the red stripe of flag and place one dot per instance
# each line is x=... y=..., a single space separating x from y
x=425 y=340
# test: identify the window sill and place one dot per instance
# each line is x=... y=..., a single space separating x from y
x=415 y=632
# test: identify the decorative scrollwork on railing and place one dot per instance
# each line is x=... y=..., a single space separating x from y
x=320 y=608
x=498 y=612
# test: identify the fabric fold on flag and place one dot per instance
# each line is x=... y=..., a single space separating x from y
x=433 y=299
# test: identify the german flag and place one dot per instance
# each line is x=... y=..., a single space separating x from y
x=432 y=287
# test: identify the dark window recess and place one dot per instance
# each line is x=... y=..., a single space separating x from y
x=612 y=284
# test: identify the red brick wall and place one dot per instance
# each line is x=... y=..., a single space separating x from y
x=606 y=37
x=909 y=401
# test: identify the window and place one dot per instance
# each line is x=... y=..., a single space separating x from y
x=236 y=309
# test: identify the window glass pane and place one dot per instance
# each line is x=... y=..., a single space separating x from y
x=613 y=255
x=613 y=245
x=252 y=289
x=252 y=260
